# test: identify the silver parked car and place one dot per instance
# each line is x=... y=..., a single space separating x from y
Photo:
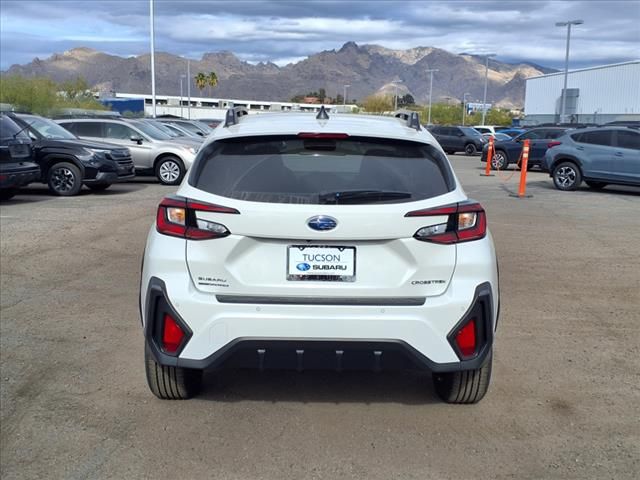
x=600 y=156
x=152 y=150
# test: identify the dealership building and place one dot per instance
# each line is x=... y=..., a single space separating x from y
x=594 y=95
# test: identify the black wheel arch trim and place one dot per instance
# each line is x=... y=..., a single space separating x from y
x=157 y=291
x=51 y=159
x=564 y=158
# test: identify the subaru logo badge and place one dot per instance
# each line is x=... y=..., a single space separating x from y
x=322 y=223
x=303 y=267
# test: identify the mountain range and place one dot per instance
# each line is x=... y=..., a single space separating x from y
x=368 y=69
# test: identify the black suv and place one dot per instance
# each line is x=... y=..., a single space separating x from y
x=17 y=168
x=68 y=162
x=540 y=139
x=458 y=139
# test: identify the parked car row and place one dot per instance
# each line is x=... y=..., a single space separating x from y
x=96 y=152
x=599 y=156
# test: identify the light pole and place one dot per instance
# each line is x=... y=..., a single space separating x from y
x=464 y=106
x=486 y=79
x=430 y=92
x=189 y=88
x=181 y=77
x=344 y=97
x=396 y=82
x=153 y=61
x=566 y=64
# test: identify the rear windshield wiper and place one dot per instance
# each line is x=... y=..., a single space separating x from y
x=360 y=196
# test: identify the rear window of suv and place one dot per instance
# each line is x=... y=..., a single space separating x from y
x=289 y=169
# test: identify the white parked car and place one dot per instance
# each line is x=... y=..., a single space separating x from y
x=303 y=242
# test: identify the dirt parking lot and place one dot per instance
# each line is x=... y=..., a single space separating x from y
x=564 y=401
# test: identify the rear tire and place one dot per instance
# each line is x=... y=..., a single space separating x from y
x=171 y=383
x=64 y=179
x=170 y=170
x=566 y=176
x=470 y=149
x=596 y=185
x=467 y=386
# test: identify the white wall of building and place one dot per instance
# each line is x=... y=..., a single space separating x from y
x=607 y=90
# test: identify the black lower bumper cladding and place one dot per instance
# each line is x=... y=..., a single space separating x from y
x=317 y=354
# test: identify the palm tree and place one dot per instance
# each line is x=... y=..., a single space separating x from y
x=201 y=81
x=212 y=81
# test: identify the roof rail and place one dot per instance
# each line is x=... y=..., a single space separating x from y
x=322 y=114
x=412 y=118
x=233 y=116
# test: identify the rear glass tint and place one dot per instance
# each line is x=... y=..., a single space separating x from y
x=289 y=169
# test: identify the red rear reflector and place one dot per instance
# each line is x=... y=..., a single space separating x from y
x=335 y=136
x=172 y=335
x=553 y=144
x=466 y=338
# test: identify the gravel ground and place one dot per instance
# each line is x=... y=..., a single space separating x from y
x=564 y=400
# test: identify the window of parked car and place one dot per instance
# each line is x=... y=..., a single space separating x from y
x=84 y=129
x=119 y=132
x=47 y=128
x=288 y=169
x=596 y=137
x=628 y=139
x=530 y=135
x=150 y=130
x=9 y=130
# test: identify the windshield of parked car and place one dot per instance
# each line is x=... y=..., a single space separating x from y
x=48 y=128
x=470 y=132
x=151 y=131
x=163 y=128
x=289 y=169
x=191 y=127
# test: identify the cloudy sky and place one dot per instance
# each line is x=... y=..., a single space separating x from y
x=287 y=31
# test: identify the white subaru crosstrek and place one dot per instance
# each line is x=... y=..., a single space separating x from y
x=303 y=241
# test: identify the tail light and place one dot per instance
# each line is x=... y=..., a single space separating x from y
x=176 y=217
x=465 y=222
x=553 y=144
x=172 y=334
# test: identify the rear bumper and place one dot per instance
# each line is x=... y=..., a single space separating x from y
x=18 y=175
x=399 y=342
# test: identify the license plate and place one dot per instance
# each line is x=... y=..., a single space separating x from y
x=325 y=263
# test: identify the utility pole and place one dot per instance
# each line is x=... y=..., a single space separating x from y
x=189 y=88
x=181 y=77
x=486 y=79
x=153 y=61
x=395 y=82
x=344 y=97
x=464 y=106
x=566 y=65
x=430 y=92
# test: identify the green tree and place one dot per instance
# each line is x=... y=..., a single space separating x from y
x=201 y=81
x=322 y=95
x=212 y=81
x=406 y=100
x=75 y=89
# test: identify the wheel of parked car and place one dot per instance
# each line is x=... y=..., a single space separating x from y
x=171 y=383
x=566 y=176
x=467 y=386
x=64 y=179
x=470 y=149
x=596 y=185
x=99 y=187
x=499 y=161
x=170 y=170
x=449 y=152
x=8 y=193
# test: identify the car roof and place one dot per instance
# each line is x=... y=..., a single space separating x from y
x=294 y=123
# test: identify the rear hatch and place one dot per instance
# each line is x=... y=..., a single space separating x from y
x=322 y=218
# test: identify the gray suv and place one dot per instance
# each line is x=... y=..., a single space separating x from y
x=600 y=156
x=153 y=151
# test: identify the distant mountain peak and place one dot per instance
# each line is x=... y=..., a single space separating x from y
x=367 y=68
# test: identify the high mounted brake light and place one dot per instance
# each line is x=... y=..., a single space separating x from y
x=465 y=222
x=322 y=135
x=177 y=217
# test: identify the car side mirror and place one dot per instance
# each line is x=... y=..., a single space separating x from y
x=461 y=134
x=138 y=140
x=200 y=133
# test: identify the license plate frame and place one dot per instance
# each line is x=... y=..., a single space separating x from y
x=321 y=277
